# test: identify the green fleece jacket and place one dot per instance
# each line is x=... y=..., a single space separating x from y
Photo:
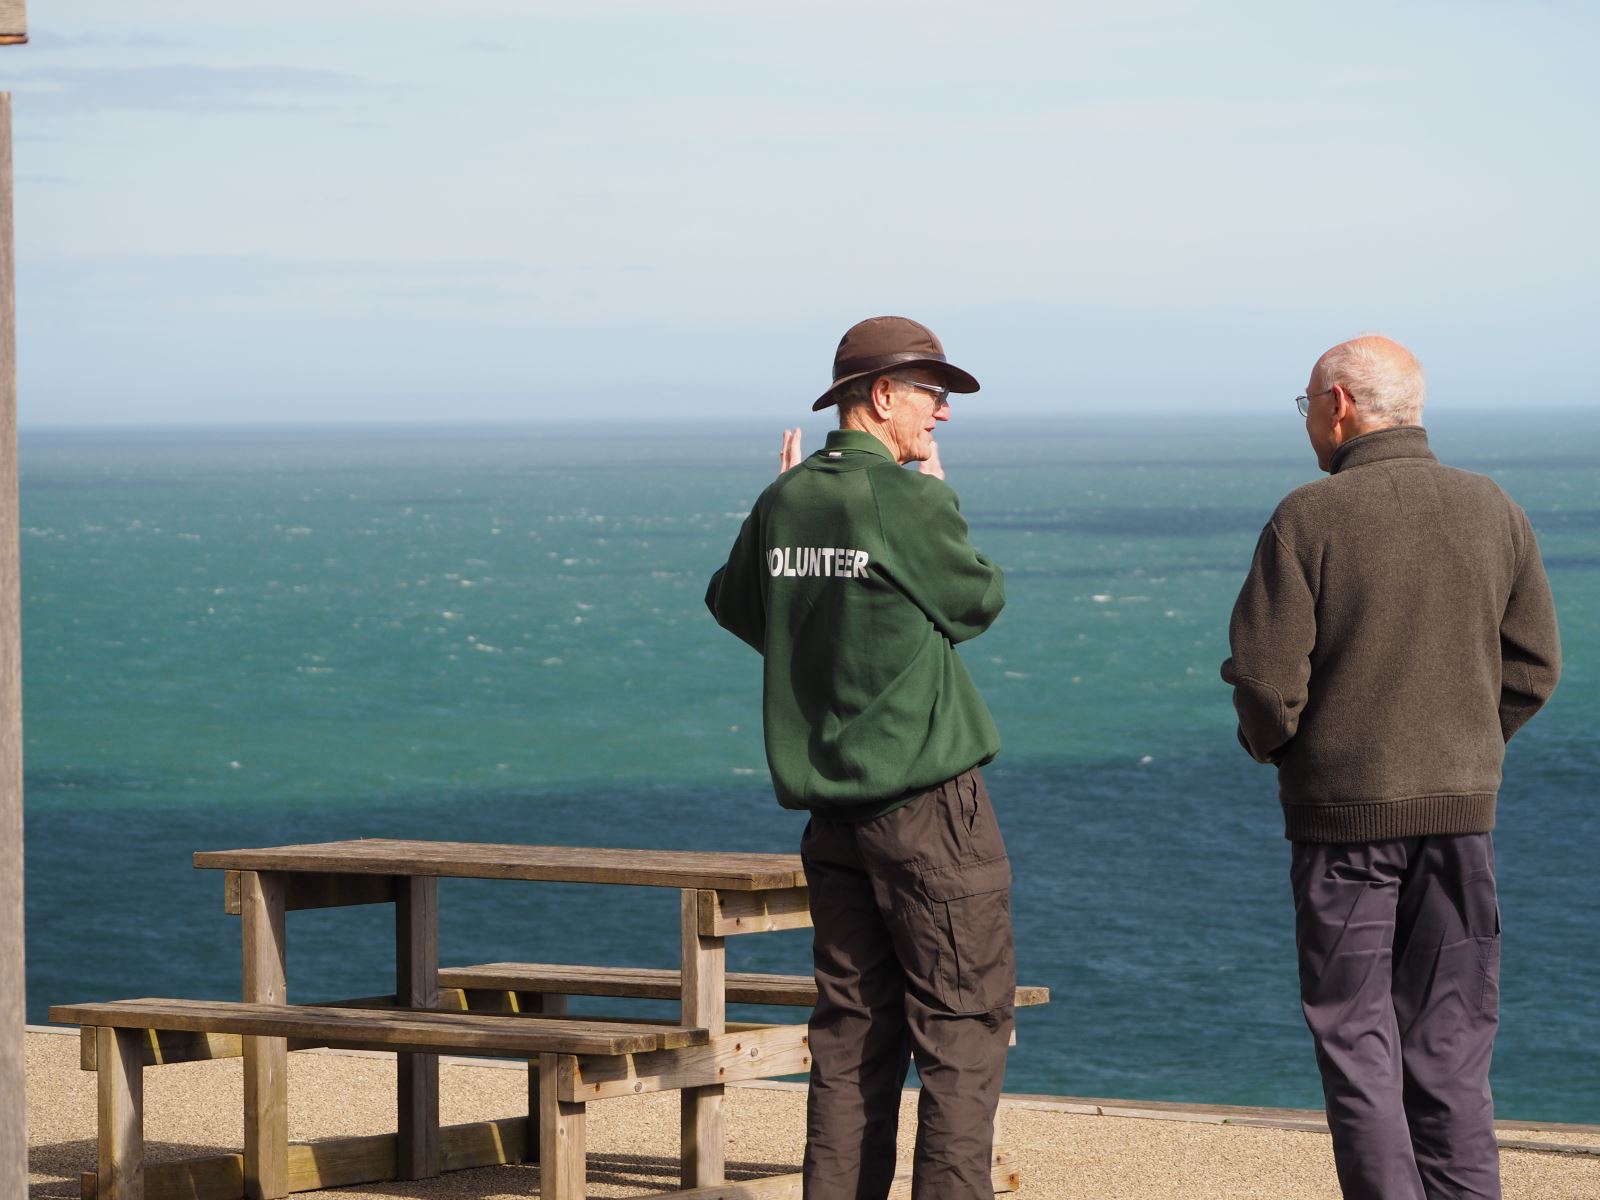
x=854 y=578
x=1395 y=630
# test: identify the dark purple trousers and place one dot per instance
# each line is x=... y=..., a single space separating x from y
x=1400 y=982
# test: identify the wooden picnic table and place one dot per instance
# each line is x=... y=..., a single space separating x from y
x=722 y=895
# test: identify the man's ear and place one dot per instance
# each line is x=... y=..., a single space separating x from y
x=883 y=396
x=1343 y=407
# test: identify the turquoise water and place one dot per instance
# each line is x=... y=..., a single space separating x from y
x=250 y=637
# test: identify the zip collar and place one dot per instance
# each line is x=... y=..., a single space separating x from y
x=841 y=441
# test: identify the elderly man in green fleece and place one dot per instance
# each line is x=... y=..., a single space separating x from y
x=854 y=579
x=1395 y=630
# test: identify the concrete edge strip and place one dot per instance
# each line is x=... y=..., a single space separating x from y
x=1297 y=1120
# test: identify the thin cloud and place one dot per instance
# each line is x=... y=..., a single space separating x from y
x=184 y=88
x=50 y=40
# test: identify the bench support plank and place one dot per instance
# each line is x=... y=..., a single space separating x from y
x=704 y=966
x=724 y=914
x=304 y=890
x=266 y=1059
x=755 y=1052
x=328 y=1163
x=416 y=932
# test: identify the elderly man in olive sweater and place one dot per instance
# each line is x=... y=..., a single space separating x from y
x=855 y=580
x=1395 y=630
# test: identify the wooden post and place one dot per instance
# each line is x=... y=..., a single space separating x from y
x=266 y=1060
x=13 y=22
x=416 y=956
x=119 y=1084
x=563 y=1165
x=13 y=1106
x=704 y=1005
x=544 y=1006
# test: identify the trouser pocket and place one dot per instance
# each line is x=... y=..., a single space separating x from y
x=969 y=905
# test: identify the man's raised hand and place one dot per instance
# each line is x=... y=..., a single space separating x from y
x=791 y=455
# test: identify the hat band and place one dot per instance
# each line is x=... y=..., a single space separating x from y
x=879 y=362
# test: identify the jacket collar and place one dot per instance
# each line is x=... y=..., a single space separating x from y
x=1402 y=441
x=854 y=439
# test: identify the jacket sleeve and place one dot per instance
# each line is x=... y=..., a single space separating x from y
x=1272 y=634
x=1530 y=643
x=960 y=590
x=735 y=595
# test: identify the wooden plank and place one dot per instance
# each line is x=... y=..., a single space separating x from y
x=308 y=891
x=558 y=864
x=1004 y=1177
x=649 y=983
x=727 y=914
x=266 y=1059
x=158 y=1047
x=119 y=1090
x=485 y=1034
x=549 y=1006
x=213 y=1177
x=13 y=24
x=763 y=1052
x=416 y=932
x=703 y=1127
x=563 y=1153
x=330 y=1162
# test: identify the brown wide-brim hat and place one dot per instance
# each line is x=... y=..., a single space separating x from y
x=881 y=344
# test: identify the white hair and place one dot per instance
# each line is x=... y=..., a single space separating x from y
x=1383 y=378
x=858 y=392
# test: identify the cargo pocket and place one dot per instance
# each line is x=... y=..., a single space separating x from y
x=1489 y=964
x=1483 y=923
x=971 y=908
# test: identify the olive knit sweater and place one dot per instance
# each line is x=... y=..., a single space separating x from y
x=1395 y=630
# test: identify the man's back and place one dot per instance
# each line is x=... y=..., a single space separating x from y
x=854 y=578
x=1412 y=594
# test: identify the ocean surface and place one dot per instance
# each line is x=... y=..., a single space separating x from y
x=251 y=637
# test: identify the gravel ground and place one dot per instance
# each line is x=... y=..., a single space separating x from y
x=1067 y=1149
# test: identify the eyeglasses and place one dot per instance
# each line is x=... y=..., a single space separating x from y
x=1303 y=403
x=941 y=395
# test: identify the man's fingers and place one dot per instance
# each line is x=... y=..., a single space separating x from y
x=791 y=455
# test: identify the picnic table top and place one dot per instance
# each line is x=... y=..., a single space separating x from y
x=730 y=871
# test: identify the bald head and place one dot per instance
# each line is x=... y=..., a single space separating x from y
x=1383 y=379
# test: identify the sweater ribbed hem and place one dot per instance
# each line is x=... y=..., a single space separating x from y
x=1384 y=820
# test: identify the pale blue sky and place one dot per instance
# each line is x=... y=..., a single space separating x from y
x=363 y=210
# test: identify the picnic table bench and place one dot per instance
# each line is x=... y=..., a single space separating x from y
x=515 y=1010
x=120 y=1030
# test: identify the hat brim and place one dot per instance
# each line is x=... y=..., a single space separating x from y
x=955 y=378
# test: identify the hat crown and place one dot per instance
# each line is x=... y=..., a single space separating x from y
x=884 y=340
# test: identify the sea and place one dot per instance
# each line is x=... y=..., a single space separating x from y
x=253 y=636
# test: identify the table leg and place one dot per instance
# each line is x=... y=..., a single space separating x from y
x=416 y=955
x=704 y=1005
x=563 y=1169
x=544 y=1006
x=266 y=1060
x=119 y=1081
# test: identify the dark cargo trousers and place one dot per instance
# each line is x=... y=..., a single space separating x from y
x=914 y=959
x=1400 y=981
